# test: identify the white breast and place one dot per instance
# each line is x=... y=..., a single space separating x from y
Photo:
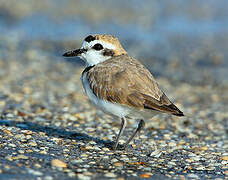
x=110 y=108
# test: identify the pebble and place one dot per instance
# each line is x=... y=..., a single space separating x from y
x=193 y=176
x=58 y=163
x=12 y=145
x=76 y=161
x=110 y=175
x=225 y=158
x=48 y=178
x=5 y=131
x=145 y=175
x=114 y=160
x=20 y=157
x=83 y=177
x=32 y=143
x=71 y=174
x=156 y=153
x=34 y=172
x=118 y=164
x=21 y=151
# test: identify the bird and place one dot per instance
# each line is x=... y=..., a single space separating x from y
x=119 y=84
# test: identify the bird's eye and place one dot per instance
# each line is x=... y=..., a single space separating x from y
x=98 y=47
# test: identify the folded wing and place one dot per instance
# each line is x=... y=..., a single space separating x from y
x=124 y=80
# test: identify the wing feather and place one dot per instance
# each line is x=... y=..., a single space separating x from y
x=124 y=80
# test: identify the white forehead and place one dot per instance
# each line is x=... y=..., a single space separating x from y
x=89 y=45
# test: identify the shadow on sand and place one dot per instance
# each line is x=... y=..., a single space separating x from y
x=55 y=132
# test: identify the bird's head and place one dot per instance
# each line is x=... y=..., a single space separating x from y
x=97 y=48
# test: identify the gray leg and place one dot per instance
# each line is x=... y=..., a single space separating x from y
x=140 y=126
x=123 y=125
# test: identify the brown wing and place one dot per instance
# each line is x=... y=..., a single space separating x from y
x=124 y=80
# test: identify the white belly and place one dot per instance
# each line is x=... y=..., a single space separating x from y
x=110 y=108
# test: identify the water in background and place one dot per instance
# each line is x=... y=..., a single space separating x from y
x=190 y=35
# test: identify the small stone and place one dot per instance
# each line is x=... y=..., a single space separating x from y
x=145 y=175
x=114 y=160
x=71 y=174
x=88 y=148
x=172 y=144
x=36 y=173
x=156 y=153
x=76 y=161
x=37 y=165
x=43 y=152
x=97 y=148
x=105 y=149
x=118 y=164
x=29 y=150
x=111 y=175
x=32 y=143
x=20 y=157
x=200 y=168
x=66 y=150
x=84 y=155
x=5 y=131
x=21 y=151
x=86 y=166
x=28 y=136
x=12 y=145
x=27 y=132
x=204 y=148
x=196 y=158
x=193 y=176
x=48 y=178
x=58 y=163
x=105 y=157
x=120 y=178
x=19 y=136
x=92 y=162
x=126 y=159
x=147 y=169
x=87 y=173
x=83 y=177
x=225 y=158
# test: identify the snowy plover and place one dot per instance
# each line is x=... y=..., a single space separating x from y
x=119 y=84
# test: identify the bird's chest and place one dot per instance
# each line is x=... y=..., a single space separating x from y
x=108 y=107
x=88 y=90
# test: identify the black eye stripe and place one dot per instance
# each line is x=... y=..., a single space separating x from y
x=97 y=47
x=108 y=52
x=89 y=38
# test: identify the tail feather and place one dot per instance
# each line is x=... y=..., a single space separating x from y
x=178 y=112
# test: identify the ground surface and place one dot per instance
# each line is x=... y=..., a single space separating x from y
x=46 y=116
x=49 y=130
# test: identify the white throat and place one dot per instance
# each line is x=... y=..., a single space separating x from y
x=92 y=56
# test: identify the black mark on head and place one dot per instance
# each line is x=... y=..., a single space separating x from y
x=89 y=38
x=108 y=52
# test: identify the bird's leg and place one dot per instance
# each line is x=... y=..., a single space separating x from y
x=123 y=125
x=140 y=126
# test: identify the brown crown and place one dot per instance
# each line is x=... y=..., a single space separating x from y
x=112 y=40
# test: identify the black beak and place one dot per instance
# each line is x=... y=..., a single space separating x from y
x=76 y=52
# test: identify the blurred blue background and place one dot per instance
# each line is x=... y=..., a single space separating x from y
x=187 y=40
